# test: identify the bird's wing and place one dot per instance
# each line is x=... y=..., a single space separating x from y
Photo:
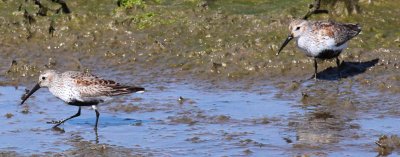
x=340 y=32
x=93 y=86
x=344 y=32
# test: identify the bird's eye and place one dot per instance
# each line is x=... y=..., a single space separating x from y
x=43 y=78
x=297 y=28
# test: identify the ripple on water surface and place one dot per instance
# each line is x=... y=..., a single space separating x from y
x=220 y=126
x=207 y=120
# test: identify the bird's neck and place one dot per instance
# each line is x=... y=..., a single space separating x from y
x=54 y=81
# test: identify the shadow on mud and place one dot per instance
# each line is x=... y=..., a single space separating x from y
x=347 y=69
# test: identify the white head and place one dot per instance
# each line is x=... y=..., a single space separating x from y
x=46 y=78
x=298 y=27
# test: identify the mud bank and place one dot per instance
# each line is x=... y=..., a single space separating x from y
x=213 y=78
x=189 y=38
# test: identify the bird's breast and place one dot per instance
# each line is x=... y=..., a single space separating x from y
x=313 y=45
x=63 y=92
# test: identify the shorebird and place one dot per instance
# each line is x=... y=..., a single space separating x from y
x=321 y=39
x=80 y=89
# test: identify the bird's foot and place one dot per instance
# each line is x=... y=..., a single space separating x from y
x=308 y=79
x=55 y=122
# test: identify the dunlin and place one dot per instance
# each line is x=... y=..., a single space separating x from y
x=321 y=39
x=80 y=89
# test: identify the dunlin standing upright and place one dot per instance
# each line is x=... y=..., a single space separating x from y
x=321 y=39
x=80 y=89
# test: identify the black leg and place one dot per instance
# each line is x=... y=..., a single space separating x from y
x=338 y=67
x=97 y=136
x=315 y=69
x=62 y=121
x=97 y=118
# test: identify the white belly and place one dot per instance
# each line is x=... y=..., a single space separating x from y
x=65 y=93
x=68 y=94
x=314 y=46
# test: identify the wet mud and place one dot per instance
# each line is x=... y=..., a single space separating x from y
x=215 y=86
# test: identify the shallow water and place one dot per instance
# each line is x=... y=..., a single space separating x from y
x=239 y=99
x=156 y=130
x=209 y=121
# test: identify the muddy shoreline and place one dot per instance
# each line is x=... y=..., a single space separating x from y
x=218 y=56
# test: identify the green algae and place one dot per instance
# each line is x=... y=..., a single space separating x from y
x=189 y=36
x=231 y=40
x=128 y=4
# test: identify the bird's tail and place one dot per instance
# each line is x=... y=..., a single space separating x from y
x=356 y=28
x=119 y=90
x=136 y=89
x=352 y=30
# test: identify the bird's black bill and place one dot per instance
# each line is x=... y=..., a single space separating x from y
x=34 y=89
x=290 y=37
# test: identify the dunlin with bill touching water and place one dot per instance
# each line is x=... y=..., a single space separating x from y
x=320 y=39
x=80 y=89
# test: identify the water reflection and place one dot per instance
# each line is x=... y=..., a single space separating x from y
x=234 y=120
